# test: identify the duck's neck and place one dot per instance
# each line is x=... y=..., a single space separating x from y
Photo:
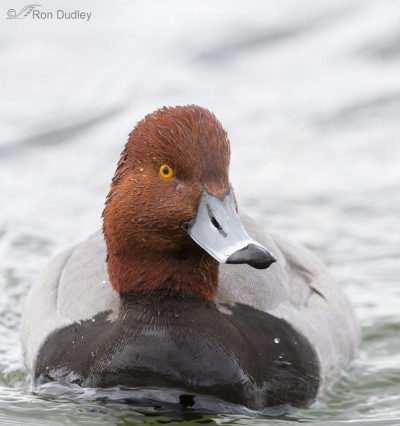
x=140 y=272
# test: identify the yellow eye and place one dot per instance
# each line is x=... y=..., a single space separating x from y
x=166 y=172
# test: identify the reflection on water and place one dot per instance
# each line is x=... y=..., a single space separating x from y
x=310 y=94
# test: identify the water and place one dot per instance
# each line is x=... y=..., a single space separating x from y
x=309 y=92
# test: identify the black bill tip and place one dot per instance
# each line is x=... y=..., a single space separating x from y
x=254 y=255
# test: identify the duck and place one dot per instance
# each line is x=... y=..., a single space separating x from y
x=180 y=291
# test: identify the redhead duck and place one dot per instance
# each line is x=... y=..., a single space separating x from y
x=181 y=292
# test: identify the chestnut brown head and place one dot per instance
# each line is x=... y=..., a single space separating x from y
x=170 y=197
x=170 y=156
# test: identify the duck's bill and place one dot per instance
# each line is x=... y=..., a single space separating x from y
x=217 y=228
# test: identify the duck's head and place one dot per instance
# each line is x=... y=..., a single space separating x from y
x=171 y=213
